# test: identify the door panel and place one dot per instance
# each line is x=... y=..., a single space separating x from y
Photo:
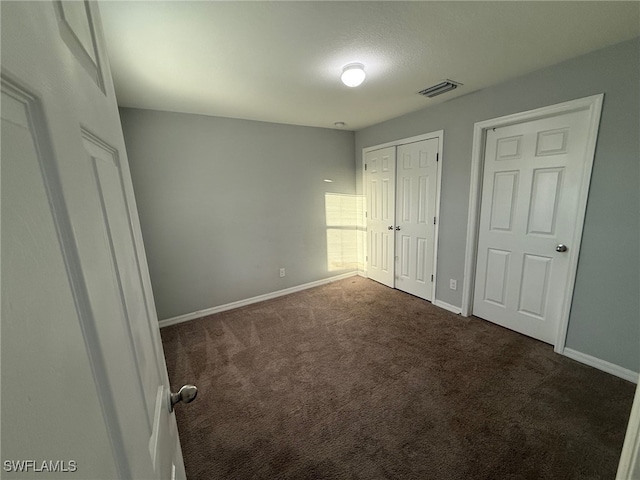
x=425 y=197
x=535 y=281
x=503 y=202
x=112 y=393
x=380 y=185
x=421 y=274
x=497 y=276
x=386 y=252
x=114 y=210
x=404 y=255
x=543 y=209
x=415 y=230
x=528 y=206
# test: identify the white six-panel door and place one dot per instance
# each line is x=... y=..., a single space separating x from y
x=530 y=200
x=416 y=216
x=93 y=387
x=380 y=188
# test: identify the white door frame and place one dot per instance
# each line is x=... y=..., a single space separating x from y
x=629 y=465
x=439 y=134
x=594 y=105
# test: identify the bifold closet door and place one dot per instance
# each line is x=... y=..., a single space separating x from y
x=401 y=189
x=416 y=185
x=380 y=188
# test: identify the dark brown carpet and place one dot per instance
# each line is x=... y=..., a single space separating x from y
x=354 y=380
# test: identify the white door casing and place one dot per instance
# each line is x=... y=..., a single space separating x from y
x=63 y=142
x=535 y=168
x=416 y=171
x=380 y=190
x=629 y=465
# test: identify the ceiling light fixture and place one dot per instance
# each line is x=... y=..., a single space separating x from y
x=340 y=124
x=353 y=74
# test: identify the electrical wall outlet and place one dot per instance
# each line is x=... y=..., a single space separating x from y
x=282 y=273
x=453 y=284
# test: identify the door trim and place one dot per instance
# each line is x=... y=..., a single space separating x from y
x=439 y=134
x=594 y=105
x=630 y=457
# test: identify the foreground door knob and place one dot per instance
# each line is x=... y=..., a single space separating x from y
x=390 y=227
x=186 y=394
x=561 y=248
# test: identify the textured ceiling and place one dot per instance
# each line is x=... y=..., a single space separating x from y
x=281 y=61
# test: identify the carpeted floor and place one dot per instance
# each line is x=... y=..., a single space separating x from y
x=354 y=380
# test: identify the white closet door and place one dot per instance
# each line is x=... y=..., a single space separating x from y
x=530 y=193
x=415 y=216
x=380 y=184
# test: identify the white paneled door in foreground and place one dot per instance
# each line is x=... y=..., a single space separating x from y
x=85 y=356
x=401 y=187
x=532 y=185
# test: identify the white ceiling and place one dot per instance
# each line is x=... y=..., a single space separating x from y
x=281 y=61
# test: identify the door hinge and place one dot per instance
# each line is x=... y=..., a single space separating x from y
x=432 y=278
x=438 y=157
x=366 y=214
x=434 y=220
x=365 y=166
x=366 y=258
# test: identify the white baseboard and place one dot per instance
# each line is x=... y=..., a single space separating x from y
x=260 y=298
x=437 y=303
x=603 y=365
x=447 y=306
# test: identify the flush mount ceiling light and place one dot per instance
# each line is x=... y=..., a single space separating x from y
x=353 y=74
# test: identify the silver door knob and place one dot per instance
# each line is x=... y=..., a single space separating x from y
x=186 y=394
x=397 y=228
x=390 y=227
x=561 y=248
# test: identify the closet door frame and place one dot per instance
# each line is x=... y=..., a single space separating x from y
x=439 y=134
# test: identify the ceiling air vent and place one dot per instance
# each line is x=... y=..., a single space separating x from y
x=442 y=87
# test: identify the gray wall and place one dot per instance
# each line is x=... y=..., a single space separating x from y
x=225 y=203
x=605 y=315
